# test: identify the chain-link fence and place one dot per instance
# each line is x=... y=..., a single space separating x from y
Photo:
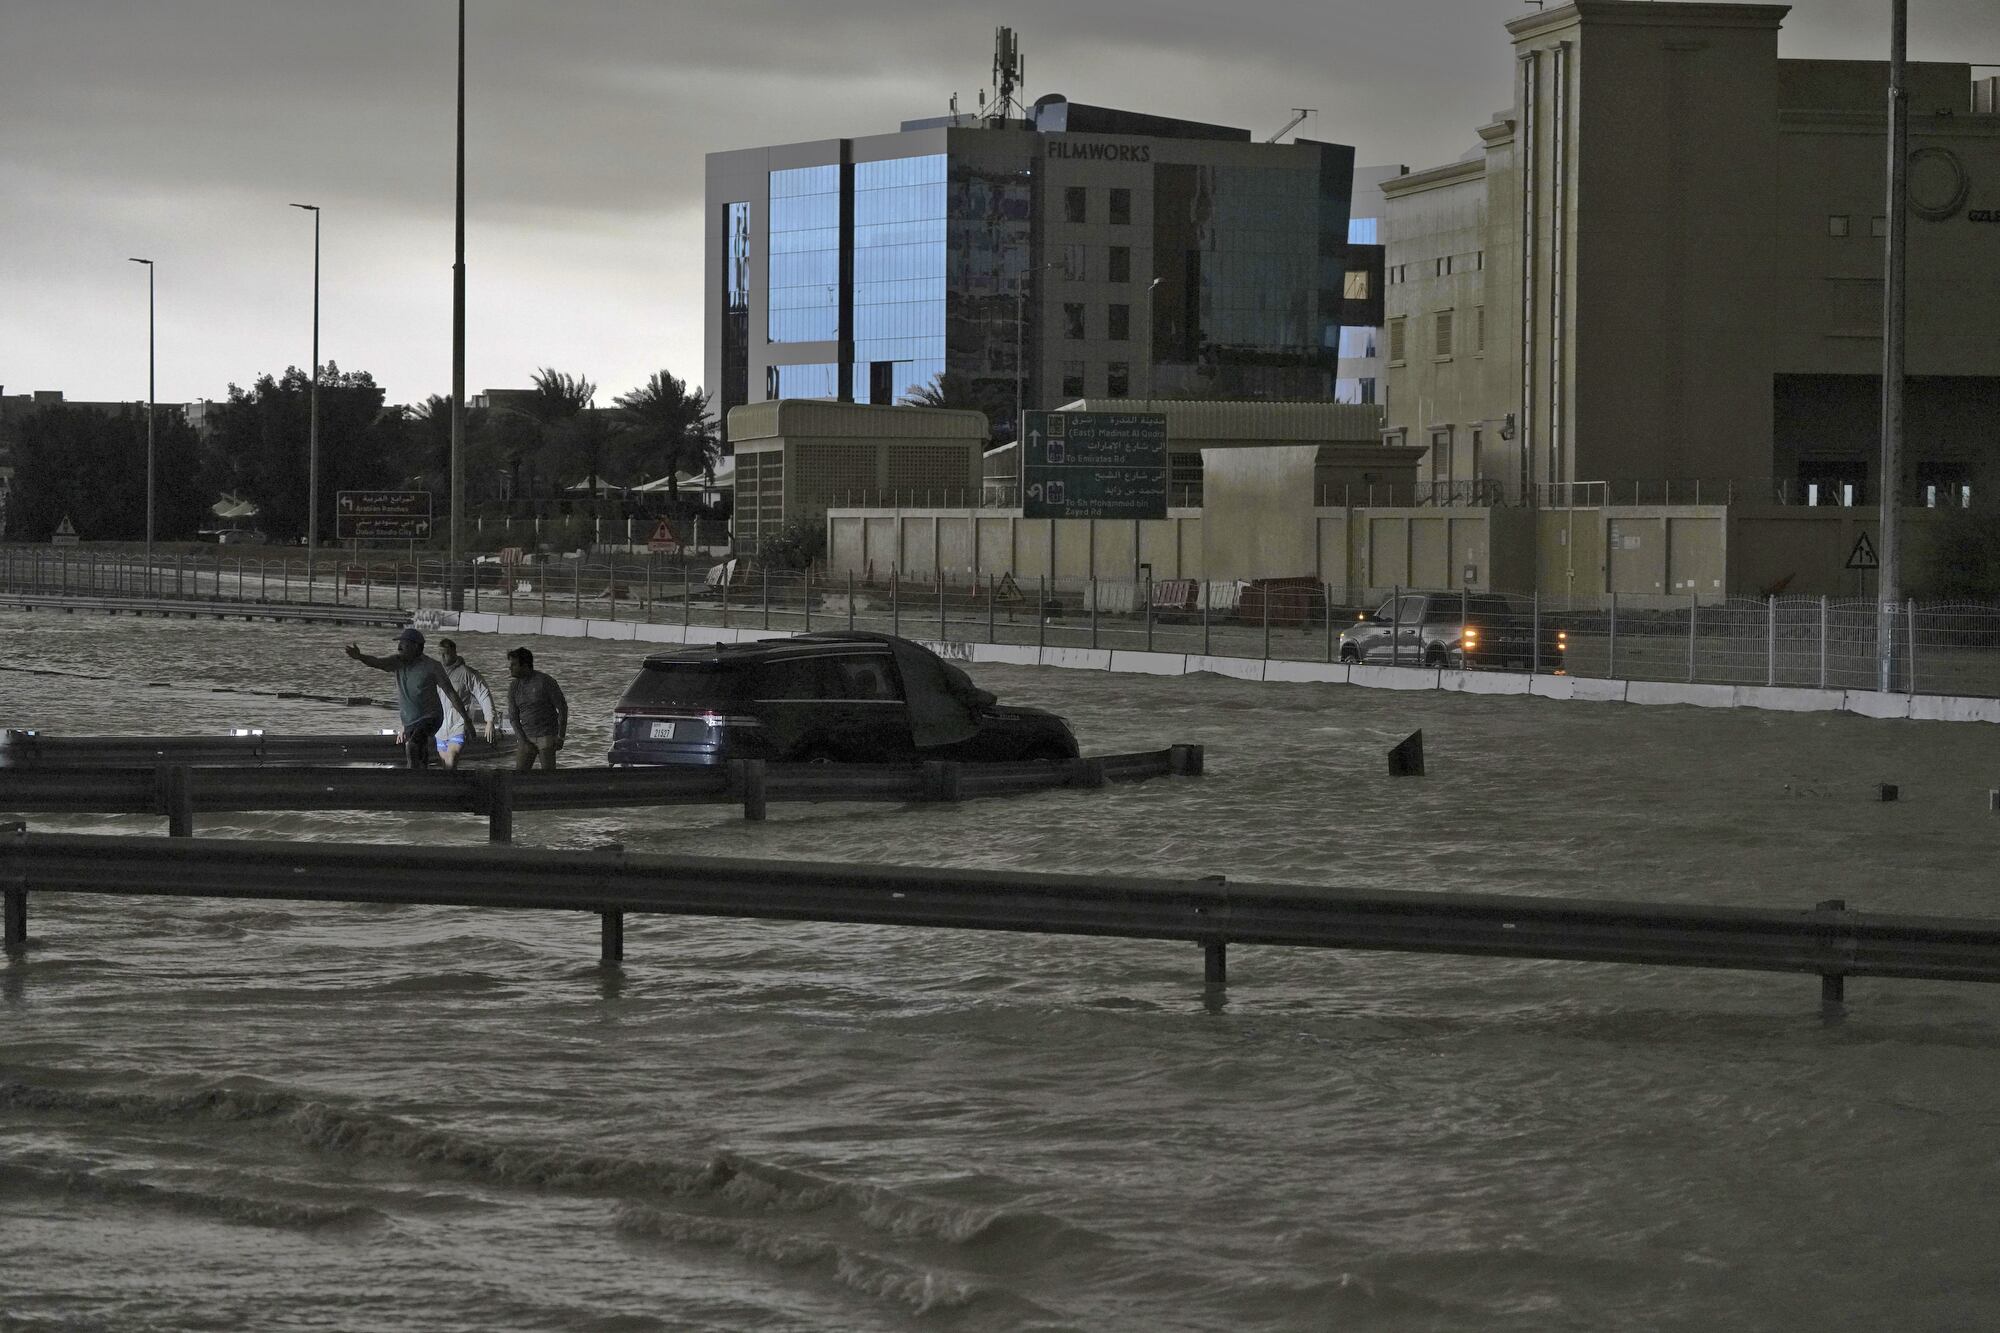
x=1936 y=648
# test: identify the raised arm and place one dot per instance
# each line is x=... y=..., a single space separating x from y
x=379 y=663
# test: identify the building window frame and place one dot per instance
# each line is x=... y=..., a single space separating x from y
x=1076 y=204
x=1398 y=340
x=1075 y=327
x=1118 y=263
x=1118 y=322
x=1119 y=212
x=1443 y=331
x=1838 y=225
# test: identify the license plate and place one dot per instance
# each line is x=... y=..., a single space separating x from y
x=662 y=731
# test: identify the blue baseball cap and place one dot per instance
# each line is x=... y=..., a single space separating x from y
x=411 y=635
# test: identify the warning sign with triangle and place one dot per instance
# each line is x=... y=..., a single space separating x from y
x=1863 y=554
x=663 y=538
x=65 y=534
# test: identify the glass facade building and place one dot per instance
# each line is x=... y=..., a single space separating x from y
x=1003 y=265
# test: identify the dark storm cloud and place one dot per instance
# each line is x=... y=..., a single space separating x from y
x=183 y=127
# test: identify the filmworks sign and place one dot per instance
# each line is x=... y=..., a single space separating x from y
x=1100 y=152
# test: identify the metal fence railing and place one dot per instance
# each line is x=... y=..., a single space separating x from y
x=1938 y=648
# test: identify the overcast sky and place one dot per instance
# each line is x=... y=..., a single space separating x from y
x=180 y=130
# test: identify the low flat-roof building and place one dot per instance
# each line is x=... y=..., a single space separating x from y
x=795 y=459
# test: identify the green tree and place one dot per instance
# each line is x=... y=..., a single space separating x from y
x=670 y=428
x=954 y=392
x=258 y=448
x=91 y=467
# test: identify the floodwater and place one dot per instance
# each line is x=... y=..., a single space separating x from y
x=222 y=1115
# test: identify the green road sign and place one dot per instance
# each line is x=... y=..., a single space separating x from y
x=1094 y=465
x=382 y=516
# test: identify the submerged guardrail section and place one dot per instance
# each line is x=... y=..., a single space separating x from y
x=1827 y=940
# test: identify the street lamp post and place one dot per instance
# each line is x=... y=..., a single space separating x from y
x=1146 y=332
x=149 y=420
x=457 y=594
x=312 y=445
x=1020 y=338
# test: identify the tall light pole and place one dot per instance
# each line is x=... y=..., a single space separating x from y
x=1888 y=579
x=1146 y=332
x=149 y=420
x=458 y=340
x=312 y=445
x=1020 y=339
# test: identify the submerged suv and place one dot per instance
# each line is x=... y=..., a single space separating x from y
x=1449 y=629
x=838 y=697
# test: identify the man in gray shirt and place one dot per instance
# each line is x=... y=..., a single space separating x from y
x=422 y=690
x=538 y=712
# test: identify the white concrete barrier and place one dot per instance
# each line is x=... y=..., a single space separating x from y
x=1597 y=690
x=1148 y=664
x=1007 y=654
x=610 y=629
x=1552 y=687
x=1394 y=677
x=1951 y=708
x=1785 y=699
x=1078 y=659
x=1311 y=673
x=1675 y=692
x=1873 y=703
x=1483 y=682
x=1240 y=668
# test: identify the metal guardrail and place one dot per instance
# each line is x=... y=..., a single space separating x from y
x=35 y=750
x=179 y=791
x=219 y=610
x=1828 y=940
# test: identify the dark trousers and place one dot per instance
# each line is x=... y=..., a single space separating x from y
x=420 y=741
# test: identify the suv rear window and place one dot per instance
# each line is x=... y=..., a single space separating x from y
x=689 y=685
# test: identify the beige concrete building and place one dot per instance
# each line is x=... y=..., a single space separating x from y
x=1661 y=269
x=795 y=459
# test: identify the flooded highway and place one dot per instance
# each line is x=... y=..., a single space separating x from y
x=220 y=1113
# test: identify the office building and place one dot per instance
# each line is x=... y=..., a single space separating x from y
x=1068 y=252
x=1661 y=270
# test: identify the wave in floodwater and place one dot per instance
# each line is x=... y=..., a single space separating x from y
x=297 y=1115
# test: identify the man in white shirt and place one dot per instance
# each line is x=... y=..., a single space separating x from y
x=471 y=686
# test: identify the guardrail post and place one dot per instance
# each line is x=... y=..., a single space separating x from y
x=1215 y=963
x=611 y=935
x=1184 y=760
x=1910 y=607
x=1535 y=608
x=1267 y=622
x=806 y=599
x=1832 y=985
x=748 y=775
x=850 y=600
x=992 y=593
x=767 y=596
x=944 y=630
x=1041 y=613
x=1093 y=612
x=499 y=793
x=941 y=780
x=16 y=911
x=177 y=800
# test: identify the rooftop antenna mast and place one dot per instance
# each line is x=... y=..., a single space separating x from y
x=1008 y=73
x=1299 y=113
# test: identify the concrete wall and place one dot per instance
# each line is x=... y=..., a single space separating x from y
x=1257 y=512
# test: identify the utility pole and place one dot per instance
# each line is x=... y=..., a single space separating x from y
x=150 y=414
x=1888 y=580
x=312 y=444
x=457 y=596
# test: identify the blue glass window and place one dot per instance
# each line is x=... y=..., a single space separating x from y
x=901 y=224
x=805 y=257
x=808 y=381
x=1362 y=231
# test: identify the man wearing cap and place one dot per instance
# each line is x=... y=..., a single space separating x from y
x=420 y=682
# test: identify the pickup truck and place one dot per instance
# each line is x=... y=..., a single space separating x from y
x=1457 y=630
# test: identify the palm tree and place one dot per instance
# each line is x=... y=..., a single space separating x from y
x=946 y=389
x=559 y=397
x=669 y=422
